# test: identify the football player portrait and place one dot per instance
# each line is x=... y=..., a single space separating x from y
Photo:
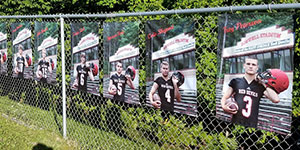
x=83 y=72
x=247 y=92
x=43 y=68
x=167 y=88
x=20 y=62
x=118 y=82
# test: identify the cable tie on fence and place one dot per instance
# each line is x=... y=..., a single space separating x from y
x=231 y=9
x=269 y=5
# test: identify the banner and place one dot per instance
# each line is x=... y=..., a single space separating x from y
x=3 y=49
x=121 y=62
x=255 y=70
x=45 y=55
x=170 y=65
x=85 y=57
x=21 y=50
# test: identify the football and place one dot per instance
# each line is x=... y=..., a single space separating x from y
x=40 y=74
x=156 y=99
x=113 y=88
x=232 y=104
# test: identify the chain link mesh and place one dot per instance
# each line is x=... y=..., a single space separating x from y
x=98 y=123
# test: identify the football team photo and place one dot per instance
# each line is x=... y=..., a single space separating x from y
x=3 y=49
x=121 y=62
x=255 y=71
x=45 y=54
x=22 y=51
x=170 y=67
x=85 y=57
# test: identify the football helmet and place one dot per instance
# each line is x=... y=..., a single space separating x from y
x=180 y=77
x=131 y=71
x=276 y=79
x=52 y=64
x=4 y=56
x=95 y=68
x=28 y=59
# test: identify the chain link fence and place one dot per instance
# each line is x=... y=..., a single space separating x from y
x=98 y=123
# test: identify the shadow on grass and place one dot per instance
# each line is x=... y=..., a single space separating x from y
x=41 y=146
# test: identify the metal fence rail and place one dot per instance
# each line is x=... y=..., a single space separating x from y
x=98 y=123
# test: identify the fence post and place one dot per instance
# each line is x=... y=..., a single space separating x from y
x=63 y=72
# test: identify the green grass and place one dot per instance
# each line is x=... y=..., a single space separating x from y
x=15 y=135
x=86 y=136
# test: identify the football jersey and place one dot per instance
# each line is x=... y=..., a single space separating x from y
x=82 y=73
x=248 y=98
x=20 y=65
x=166 y=93
x=44 y=65
x=120 y=83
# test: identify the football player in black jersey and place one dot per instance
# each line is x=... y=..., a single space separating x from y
x=43 y=68
x=20 y=62
x=167 y=89
x=247 y=92
x=118 y=82
x=83 y=71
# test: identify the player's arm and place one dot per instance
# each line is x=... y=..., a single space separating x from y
x=176 y=89
x=75 y=84
x=26 y=64
x=49 y=67
x=272 y=95
x=129 y=81
x=1 y=59
x=227 y=95
x=152 y=91
x=90 y=74
x=16 y=66
x=37 y=72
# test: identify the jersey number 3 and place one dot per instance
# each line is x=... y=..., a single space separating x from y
x=247 y=111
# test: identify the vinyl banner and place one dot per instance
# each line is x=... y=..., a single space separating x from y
x=3 y=49
x=22 y=51
x=121 y=62
x=255 y=70
x=170 y=65
x=85 y=57
x=45 y=54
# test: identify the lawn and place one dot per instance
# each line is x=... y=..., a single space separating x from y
x=23 y=126
x=17 y=135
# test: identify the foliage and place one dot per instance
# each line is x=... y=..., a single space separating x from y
x=140 y=124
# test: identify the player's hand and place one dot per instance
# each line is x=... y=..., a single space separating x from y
x=228 y=110
x=39 y=75
x=175 y=80
x=112 y=90
x=75 y=85
x=16 y=71
x=260 y=80
x=156 y=104
x=128 y=76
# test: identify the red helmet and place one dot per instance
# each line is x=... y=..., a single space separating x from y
x=95 y=68
x=275 y=79
x=4 y=56
x=52 y=63
x=28 y=59
x=131 y=71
